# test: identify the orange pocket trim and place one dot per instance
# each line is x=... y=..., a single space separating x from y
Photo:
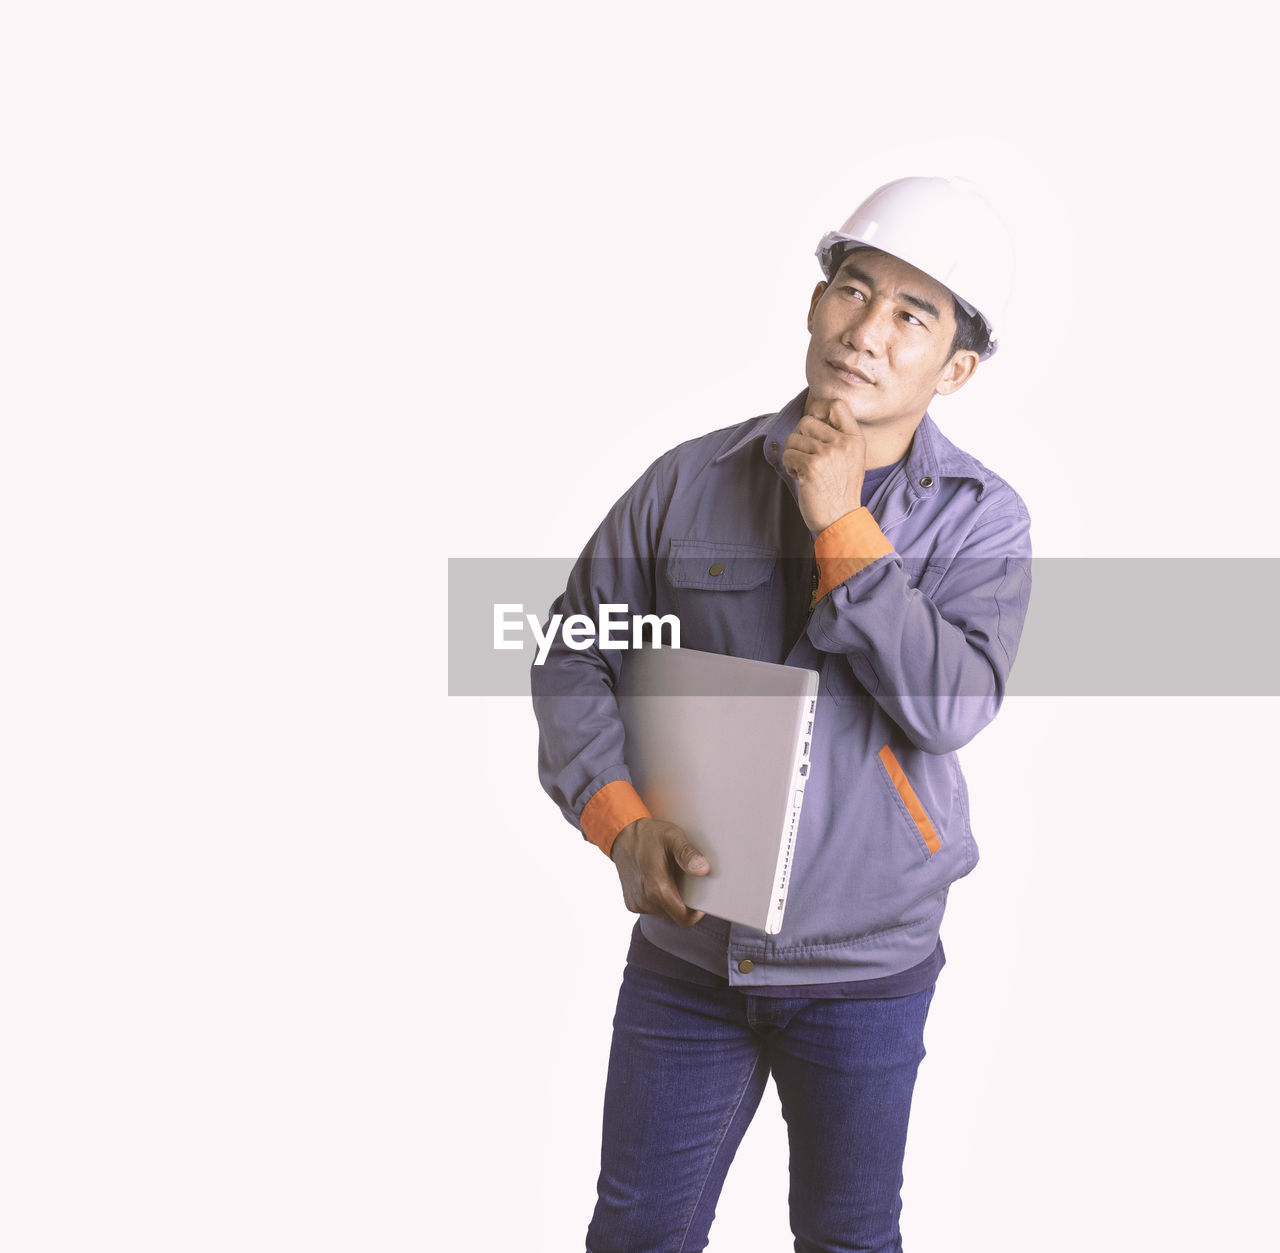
x=614 y=806
x=911 y=801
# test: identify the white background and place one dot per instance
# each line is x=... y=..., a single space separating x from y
x=300 y=300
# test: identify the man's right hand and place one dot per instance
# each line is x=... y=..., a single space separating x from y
x=648 y=853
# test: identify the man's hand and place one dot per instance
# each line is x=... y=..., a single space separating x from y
x=827 y=456
x=648 y=853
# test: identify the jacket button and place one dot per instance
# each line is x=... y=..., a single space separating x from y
x=746 y=966
x=927 y=481
x=717 y=568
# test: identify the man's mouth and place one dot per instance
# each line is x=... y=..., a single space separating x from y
x=851 y=374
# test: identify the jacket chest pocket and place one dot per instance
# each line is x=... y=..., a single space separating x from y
x=722 y=593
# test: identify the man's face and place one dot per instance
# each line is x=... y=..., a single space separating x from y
x=880 y=340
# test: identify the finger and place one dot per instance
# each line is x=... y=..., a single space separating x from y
x=816 y=428
x=689 y=858
x=803 y=469
x=679 y=912
x=794 y=463
x=806 y=445
x=801 y=464
x=658 y=890
x=839 y=416
x=817 y=408
x=663 y=887
x=690 y=917
x=664 y=898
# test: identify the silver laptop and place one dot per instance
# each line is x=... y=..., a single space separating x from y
x=720 y=746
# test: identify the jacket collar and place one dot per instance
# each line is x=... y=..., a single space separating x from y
x=769 y=428
x=932 y=455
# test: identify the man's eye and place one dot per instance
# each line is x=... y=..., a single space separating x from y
x=853 y=291
x=911 y=317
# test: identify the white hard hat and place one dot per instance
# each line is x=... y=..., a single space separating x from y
x=943 y=227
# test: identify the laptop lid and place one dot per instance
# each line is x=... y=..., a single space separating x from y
x=720 y=746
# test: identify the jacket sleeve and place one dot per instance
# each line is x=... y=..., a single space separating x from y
x=580 y=744
x=936 y=663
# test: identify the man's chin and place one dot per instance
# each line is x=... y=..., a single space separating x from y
x=859 y=406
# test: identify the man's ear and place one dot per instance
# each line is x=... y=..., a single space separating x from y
x=813 y=303
x=957 y=372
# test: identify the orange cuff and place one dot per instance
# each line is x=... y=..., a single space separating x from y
x=848 y=545
x=613 y=807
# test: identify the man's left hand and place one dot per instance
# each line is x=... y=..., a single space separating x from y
x=827 y=456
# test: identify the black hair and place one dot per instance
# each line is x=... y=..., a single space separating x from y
x=971 y=332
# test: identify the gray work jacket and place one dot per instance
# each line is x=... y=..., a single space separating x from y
x=914 y=651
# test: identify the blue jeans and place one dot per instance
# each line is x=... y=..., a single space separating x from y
x=687 y=1070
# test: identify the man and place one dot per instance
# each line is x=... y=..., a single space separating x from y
x=845 y=534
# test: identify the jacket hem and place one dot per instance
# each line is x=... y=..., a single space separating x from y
x=719 y=946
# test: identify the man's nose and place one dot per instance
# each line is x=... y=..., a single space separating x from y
x=869 y=329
